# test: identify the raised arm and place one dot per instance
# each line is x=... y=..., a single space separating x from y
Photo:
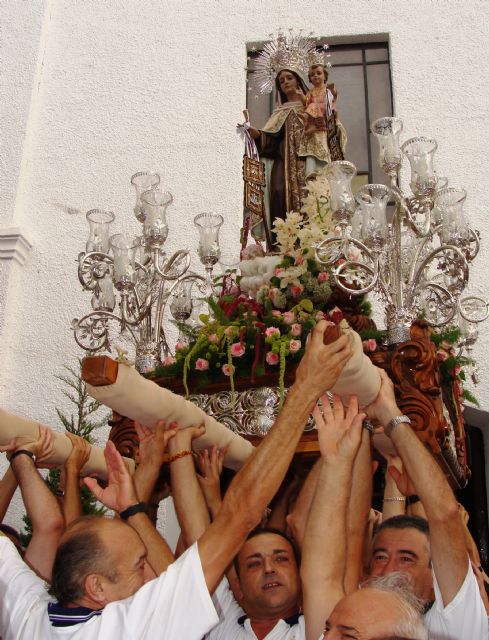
x=152 y=446
x=325 y=546
x=190 y=506
x=448 y=550
x=358 y=512
x=8 y=485
x=41 y=505
x=119 y=495
x=72 y=506
x=256 y=483
x=297 y=518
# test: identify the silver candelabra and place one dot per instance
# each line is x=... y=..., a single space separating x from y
x=412 y=250
x=132 y=280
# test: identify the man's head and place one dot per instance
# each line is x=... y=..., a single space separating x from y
x=98 y=561
x=402 y=544
x=384 y=609
x=268 y=571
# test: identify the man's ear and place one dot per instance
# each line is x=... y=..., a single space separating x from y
x=94 y=588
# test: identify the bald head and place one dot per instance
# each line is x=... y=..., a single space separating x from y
x=86 y=548
x=373 y=613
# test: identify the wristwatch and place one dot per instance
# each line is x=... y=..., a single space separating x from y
x=392 y=424
x=22 y=452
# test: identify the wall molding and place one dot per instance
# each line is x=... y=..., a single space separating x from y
x=14 y=245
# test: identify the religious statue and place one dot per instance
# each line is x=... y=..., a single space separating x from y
x=291 y=153
x=321 y=117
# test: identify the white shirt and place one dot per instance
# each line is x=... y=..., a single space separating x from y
x=176 y=605
x=234 y=625
x=463 y=619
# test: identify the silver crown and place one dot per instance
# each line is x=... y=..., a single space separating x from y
x=287 y=51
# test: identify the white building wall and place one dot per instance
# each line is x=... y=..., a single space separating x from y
x=94 y=91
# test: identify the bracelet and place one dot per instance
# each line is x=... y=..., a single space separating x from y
x=412 y=500
x=366 y=424
x=395 y=499
x=179 y=454
x=392 y=424
x=23 y=452
x=139 y=507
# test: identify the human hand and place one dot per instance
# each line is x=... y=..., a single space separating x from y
x=42 y=448
x=210 y=467
x=339 y=430
x=322 y=364
x=79 y=454
x=120 y=493
x=184 y=437
x=400 y=477
x=384 y=407
x=154 y=443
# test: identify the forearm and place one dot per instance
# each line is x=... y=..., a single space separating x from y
x=298 y=517
x=394 y=503
x=358 y=510
x=41 y=505
x=72 y=506
x=145 y=478
x=159 y=553
x=430 y=483
x=257 y=481
x=323 y=564
x=43 y=510
x=188 y=498
x=447 y=540
x=8 y=485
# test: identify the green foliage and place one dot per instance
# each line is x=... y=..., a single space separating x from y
x=450 y=335
x=81 y=422
x=469 y=397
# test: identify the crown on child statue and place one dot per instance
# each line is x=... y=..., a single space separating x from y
x=292 y=51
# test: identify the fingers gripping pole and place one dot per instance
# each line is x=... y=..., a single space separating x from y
x=142 y=400
x=12 y=426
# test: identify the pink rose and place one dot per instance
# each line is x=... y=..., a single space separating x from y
x=213 y=338
x=296 y=290
x=294 y=346
x=272 y=331
x=289 y=317
x=276 y=313
x=180 y=345
x=278 y=271
x=457 y=369
x=201 y=364
x=168 y=360
x=296 y=329
x=237 y=350
x=228 y=369
x=323 y=276
x=299 y=260
x=319 y=316
x=371 y=344
x=272 y=358
x=272 y=292
x=442 y=355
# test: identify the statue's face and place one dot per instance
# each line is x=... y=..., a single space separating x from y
x=316 y=76
x=287 y=82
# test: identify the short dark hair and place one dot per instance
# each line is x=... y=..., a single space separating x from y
x=81 y=554
x=259 y=531
x=405 y=522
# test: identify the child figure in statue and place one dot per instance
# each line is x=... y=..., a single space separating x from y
x=320 y=114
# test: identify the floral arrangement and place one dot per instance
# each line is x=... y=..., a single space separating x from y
x=249 y=337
